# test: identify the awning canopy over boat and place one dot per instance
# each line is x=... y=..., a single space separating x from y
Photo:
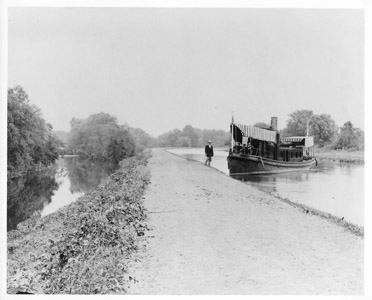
x=307 y=141
x=240 y=130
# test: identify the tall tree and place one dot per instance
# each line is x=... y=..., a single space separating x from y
x=30 y=139
x=189 y=132
x=323 y=128
x=101 y=137
x=297 y=123
x=350 y=137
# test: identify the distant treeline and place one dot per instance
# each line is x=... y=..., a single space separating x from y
x=187 y=137
x=322 y=127
x=193 y=137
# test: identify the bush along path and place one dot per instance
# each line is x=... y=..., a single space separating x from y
x=83 y=248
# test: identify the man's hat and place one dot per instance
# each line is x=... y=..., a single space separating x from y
x=209 y=141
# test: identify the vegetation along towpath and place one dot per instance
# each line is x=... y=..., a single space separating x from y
x=84 y=247
x=211 y=234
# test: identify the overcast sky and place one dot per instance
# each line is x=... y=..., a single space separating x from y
x=163 y=68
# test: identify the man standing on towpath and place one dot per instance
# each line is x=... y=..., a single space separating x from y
x=208 y=153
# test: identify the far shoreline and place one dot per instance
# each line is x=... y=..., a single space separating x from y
x=344 y=156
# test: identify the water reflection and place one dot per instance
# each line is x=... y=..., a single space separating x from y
x=45 y=191
x=293 y=176
x=29 y=194
x=85 y=174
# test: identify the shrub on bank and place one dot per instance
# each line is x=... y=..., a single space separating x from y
x=84 y=247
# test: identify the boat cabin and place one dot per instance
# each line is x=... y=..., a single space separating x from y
x=296 y=148
x=266 y=143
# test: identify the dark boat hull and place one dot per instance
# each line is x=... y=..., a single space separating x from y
x=256 y=165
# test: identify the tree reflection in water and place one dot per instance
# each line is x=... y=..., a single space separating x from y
x=27 y=195
x=85 y=174
x=30 y=194
x=293 y=176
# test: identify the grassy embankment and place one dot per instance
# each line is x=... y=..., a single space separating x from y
x=340 y=155
x=84 y=247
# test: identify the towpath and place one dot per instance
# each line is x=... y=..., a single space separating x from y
x=212 y=234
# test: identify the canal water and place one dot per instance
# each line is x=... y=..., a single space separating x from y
x=43 y=192
x=335 y=188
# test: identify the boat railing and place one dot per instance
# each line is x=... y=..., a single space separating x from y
x=253 y=151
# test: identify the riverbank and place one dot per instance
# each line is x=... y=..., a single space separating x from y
x=211 y=234
x=344 y=156
x=84 y=247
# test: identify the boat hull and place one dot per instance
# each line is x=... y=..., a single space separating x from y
x=256 y=165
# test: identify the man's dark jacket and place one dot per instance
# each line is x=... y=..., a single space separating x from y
x=208 y=150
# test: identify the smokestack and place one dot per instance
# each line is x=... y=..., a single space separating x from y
x=274 y=123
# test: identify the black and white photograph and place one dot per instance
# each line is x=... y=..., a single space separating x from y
x=174 y=148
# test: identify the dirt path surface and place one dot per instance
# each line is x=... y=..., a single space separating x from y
x=212 y=234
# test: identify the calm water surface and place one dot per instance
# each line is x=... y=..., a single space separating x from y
x=333 y=187
x=46 y=191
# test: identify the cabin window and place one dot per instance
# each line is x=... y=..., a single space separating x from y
x=300 y=154
x=296 y=154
